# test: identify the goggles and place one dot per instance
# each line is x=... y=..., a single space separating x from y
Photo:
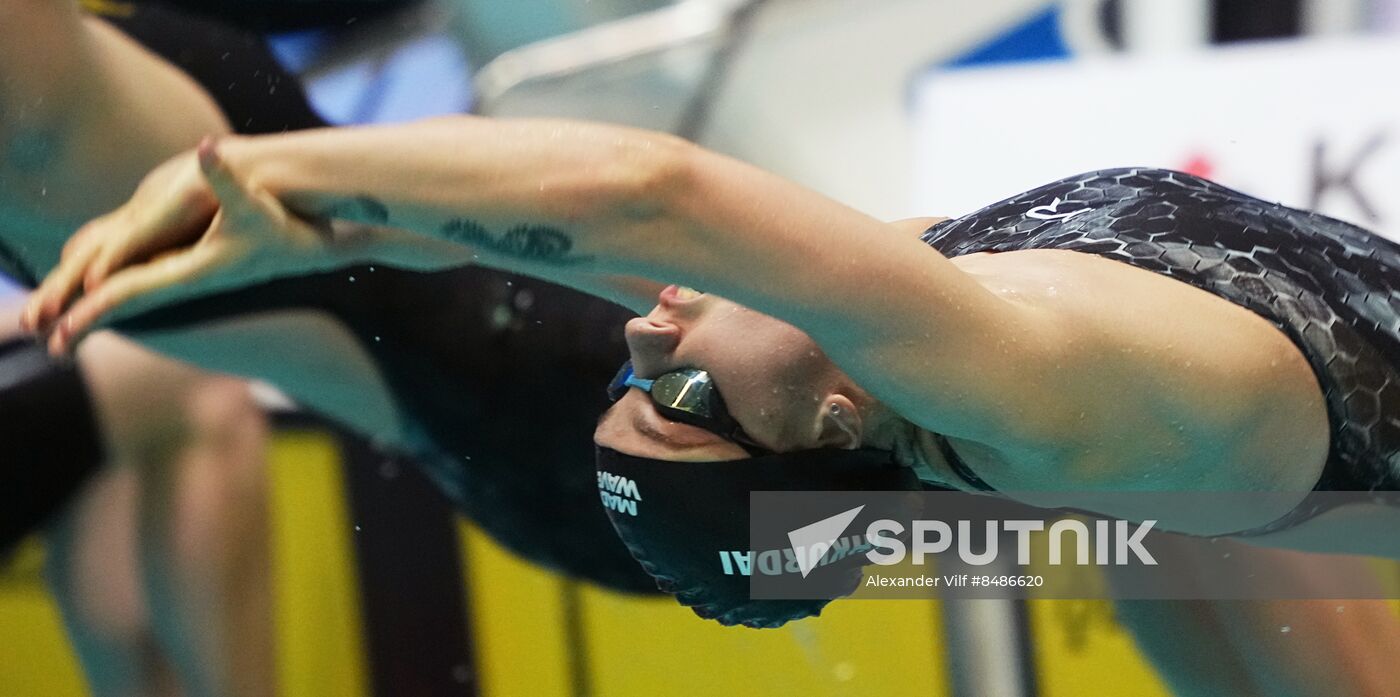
x=687 y=395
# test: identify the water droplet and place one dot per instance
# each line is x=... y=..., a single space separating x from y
x=357 y=528
x=376 y=339
x=1285 y=629
x=352 y=279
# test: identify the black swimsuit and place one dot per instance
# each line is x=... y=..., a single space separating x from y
x=1333 y=288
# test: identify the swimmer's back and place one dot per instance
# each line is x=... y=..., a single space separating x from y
x=1331 y=287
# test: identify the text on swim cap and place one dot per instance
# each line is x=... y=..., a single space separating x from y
x=618 y=493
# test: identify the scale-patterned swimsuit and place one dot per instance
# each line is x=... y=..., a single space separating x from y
x=1333 y=288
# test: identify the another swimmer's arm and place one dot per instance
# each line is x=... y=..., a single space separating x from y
x=85 y=112
x=40 y=53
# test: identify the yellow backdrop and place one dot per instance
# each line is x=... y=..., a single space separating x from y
x=625 y=646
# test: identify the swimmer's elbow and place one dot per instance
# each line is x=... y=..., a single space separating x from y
x=649 y=175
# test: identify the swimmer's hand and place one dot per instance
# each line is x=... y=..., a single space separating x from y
x=192 y=228
x=171 y=208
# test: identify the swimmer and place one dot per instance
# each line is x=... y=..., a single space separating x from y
x=1113 y=331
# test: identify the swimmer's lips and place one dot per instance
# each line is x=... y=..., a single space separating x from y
x=650 y=327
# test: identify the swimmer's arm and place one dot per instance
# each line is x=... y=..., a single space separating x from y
x=591 y=205
x=565 y=200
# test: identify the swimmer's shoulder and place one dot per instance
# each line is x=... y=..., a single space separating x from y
x=915 y=227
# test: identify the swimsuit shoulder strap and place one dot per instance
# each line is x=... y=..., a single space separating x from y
x=960 y=467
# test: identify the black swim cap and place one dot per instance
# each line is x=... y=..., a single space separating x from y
x=681 y=519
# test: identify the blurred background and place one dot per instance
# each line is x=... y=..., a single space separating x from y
x=897 y=107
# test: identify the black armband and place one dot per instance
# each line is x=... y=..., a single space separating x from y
x=49 y=440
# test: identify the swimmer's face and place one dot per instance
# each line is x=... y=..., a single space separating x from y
x=775 y=381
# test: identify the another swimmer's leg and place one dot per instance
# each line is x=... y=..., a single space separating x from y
x=1182 y=639
x=93 y=573
x=1301 y=648
x=195 y=444
x=204 y=546
x=161 y=567
x=1312 y=648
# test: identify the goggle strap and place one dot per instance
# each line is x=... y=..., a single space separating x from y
x=639 y=383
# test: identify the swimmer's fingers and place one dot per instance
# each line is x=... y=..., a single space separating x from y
x=252 y=238
x=138 y=240
x=62 y=284
x=136 y=289
x=171 y=208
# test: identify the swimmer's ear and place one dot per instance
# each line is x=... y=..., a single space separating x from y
x=838 y=424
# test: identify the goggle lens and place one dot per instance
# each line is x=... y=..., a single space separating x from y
x=687 y=395
x=689 y=390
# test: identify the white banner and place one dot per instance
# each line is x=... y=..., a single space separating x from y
x=1311 y=124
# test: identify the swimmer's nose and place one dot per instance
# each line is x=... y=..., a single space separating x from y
x=652 y=342
x=680 y=301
